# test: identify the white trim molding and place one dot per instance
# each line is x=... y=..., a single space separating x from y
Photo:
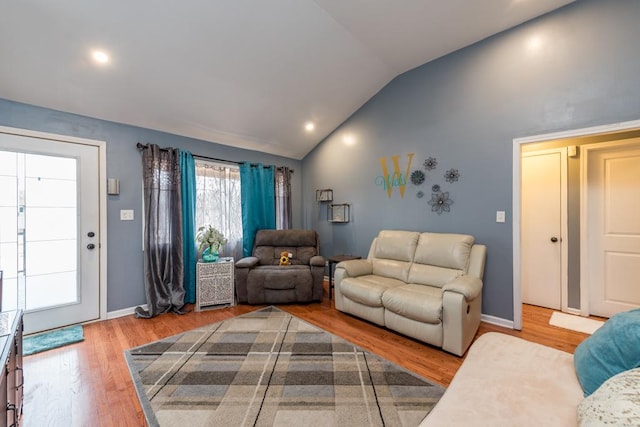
x=124 y=312
x=102 y=179
x=517 y=143
x=498 y=321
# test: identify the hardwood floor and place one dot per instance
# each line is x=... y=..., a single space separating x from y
x=88 y=384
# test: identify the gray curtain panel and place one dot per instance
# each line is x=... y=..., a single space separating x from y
x=283 y=198
x=163 y=259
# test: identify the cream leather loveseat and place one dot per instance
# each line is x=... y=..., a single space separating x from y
x=424 y=285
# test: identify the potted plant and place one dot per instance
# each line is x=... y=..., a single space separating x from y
x=211 y=240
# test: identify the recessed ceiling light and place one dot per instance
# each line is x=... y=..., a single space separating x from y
x=534 y=43
x=349 y=139
x=100 y=56
x=309 y=126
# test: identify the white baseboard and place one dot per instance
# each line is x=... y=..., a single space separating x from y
x=575 y=311
x=124 y=312
x=498 y=321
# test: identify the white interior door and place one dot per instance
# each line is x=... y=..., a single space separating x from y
x=542 y=231
x=611 y=227
x=49 y=237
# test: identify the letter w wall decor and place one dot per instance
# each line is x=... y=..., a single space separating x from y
x=389 y=181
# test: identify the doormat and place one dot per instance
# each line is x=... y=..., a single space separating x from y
x=269 y=368
x=575 y=323
x=53 y=339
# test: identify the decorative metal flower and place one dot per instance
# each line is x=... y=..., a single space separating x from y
x=420 y=194
x=452 y=175
x=435 y=188
x=430 y=163
x=417 y=177
x=440 y=202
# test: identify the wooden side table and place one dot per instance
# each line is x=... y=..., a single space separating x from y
x=334 y=260
x=215 y=284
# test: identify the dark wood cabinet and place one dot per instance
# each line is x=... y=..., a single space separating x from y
x=12 y=379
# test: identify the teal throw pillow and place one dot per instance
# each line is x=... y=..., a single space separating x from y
x=612 y=349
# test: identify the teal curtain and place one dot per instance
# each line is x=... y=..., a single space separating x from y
x=189 y=249
x=258 y=202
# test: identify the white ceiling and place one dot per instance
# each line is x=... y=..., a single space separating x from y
x=246 y=73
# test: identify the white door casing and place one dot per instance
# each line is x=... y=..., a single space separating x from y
x=516 y=199
x=610 y=227
x=89 y=156
x=544 y=240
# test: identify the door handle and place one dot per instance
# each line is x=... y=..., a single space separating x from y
x=554 y=239
x=91 y=234
x=91 y=246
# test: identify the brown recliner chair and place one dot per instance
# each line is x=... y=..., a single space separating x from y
x=260 y=279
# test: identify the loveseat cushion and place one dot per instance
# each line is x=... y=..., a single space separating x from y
x=393 y=253
x=397 y=245
x=612 y=349
x=432 y=275
x=416 y=302
x=444 y=250
x=367 y=290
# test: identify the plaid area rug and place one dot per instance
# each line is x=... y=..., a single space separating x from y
x=269 y=368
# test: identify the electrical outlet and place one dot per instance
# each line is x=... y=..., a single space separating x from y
x=500 y=216
x=126 y=215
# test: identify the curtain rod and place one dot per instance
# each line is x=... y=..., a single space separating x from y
x=143 y=146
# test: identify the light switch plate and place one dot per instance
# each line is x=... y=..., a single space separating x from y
x=126 y=215
x=500 y=216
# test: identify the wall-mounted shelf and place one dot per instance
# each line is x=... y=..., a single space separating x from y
x=325 y=195
x=338 y=212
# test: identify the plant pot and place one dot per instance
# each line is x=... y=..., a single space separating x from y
x=209 y=256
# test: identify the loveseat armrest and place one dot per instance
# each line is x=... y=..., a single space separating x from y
x=317 y=261
x=355 y=267
x=469 y=286
x=345 y=270
x=247 y=262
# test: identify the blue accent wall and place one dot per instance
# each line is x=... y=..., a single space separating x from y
x=125 y=287
x=465 y=109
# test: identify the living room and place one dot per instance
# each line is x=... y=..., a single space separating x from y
x=464 y=110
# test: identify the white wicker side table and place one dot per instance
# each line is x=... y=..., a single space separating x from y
x=215 y=284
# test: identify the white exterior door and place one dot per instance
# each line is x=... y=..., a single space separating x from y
x=542 y=229
x=49 y=233
x=611 y=227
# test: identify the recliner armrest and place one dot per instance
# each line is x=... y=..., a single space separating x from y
x=356 y=267
x=247 y=262
x=317 y=261
x=469 y=286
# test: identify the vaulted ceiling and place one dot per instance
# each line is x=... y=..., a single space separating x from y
x=246 y=73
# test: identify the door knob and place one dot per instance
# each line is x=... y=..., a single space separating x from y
x=554 y=239
x=91 y=246
x=91 y=234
